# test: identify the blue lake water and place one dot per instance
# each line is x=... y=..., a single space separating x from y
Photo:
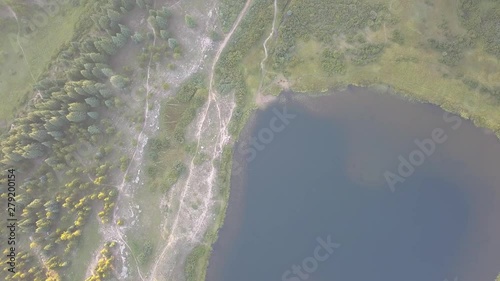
x=319 y=196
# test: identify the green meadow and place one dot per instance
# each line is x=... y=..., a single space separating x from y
x=29 y=50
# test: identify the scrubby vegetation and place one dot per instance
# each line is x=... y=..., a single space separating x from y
x=167 y=150
x=229 y=10
x=190 y=22
x=325 y=22
x=103 y=270
x=481 y=20
x=333 y=61
x=325 y=44
x=230 y=78
x=195 y=270
x=145 y=251
x=366 y=53
x=452 y=47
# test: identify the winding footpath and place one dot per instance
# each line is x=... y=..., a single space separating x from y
x=114 y=232
x=264 y=45
x=199 y=220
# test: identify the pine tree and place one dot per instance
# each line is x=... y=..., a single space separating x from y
x=114 y=16
x=138 y=38
x=88 y=66
x=57 y=135
x=106 y=45
x=119 y=81
x=93 y=130
x=88 y=46
x=105 y=93
x=77 y=106
x=97 y=72
x=94 y=115
x=33 y=150
x=10 y=155
x=74 y=74
x=92 y=101
x=104 y=22
x=77 y=116
x=120 y=40
x=87 y=74
x=49 y=127
x=58 y=121
x=49 y=104
x=125 y=30
x=47 y=143
x=39 y=135
x=80 y=91
x=97 y=57
x=109 y=103
x=89 y=87
x=108 y=72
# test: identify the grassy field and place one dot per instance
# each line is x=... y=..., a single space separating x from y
x=20 y=71
x=418 y=80
x=169 y=148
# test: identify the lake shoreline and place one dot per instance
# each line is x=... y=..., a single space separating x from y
x=248 y=128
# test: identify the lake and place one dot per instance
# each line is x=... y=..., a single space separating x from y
x=360 y=185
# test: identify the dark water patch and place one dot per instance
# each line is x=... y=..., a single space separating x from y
x=322 y=177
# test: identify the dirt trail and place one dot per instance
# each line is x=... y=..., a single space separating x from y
x=224 y=135
x=260 y=99
x=111 y=232
x=139 y=148
x=262 y=63
x=190 y=222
